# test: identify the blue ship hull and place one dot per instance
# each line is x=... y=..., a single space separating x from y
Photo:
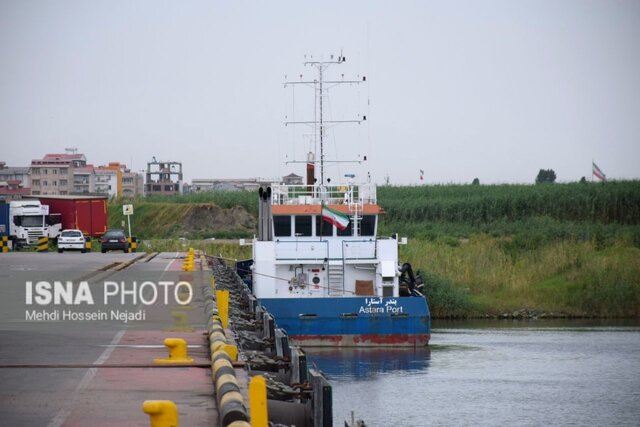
x=353 y=321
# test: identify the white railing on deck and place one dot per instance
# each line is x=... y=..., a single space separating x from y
x=302 y=250
x=333 y=195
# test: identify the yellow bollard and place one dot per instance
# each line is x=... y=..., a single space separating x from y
x=222 y=298
x=231 y=350
x=162 y=413
x=43 y=244
x=4 y=244
x=177 y=352
x=258 y=402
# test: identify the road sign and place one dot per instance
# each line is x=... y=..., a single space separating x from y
x=128 y=211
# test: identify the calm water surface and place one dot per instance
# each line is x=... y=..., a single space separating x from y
x=494 y=373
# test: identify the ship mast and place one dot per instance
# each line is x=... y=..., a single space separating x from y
x=320 y=86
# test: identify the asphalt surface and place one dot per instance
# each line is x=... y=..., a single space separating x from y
x=52 y=395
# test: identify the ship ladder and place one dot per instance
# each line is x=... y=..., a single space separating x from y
x=336 y=279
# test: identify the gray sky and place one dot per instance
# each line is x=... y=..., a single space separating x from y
x=461 y=89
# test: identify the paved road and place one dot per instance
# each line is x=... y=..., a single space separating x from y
x=53 y=396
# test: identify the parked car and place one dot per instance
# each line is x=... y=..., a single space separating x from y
x=114 y=240
x=71 y=239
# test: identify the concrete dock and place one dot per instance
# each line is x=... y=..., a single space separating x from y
x=72 y=363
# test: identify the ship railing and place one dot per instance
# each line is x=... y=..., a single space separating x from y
x=348 y=250
x=282 y=194
x=302 y=250
x=354 y=250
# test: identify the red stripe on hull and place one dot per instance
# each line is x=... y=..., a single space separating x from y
x=395 y=340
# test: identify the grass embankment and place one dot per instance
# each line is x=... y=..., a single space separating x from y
x=562 y=248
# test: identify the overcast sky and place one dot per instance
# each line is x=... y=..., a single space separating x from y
x=460 y=89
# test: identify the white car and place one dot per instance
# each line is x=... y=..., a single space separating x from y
x=71 y=239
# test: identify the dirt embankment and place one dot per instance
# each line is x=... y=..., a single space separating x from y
x=153 y=220
x=211 y=219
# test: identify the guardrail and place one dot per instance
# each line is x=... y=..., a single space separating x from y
x=336 y=194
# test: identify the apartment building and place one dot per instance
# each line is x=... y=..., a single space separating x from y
x=125 y=182
x=54 y=174
x=132 y=184
x=105 y=181
x=14 y=182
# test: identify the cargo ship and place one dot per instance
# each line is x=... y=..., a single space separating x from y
x=319 y=266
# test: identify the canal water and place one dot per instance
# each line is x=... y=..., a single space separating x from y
x=494 y=373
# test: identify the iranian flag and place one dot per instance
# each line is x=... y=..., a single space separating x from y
x=598 y=173
x=334 y=217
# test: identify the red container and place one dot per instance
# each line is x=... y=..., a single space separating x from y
x=85 y=213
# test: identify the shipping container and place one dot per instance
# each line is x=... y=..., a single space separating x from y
x=4 y=218
x=85 y=213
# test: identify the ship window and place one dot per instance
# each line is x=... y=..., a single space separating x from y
x=303 y=225
x=327 y=228
x=368 y=225
x=282 y=226
x=347 y=231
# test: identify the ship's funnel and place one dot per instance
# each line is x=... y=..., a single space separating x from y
x=311 y=171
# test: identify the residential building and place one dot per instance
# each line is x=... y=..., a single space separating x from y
x=132 y=184
x=54 y=173
x=123 y=182
x=14 y=182
x=106 y=181
x=84 y=180
x=116 y=169
x=12 y=173
x=12 y=189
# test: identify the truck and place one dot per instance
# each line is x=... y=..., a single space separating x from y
x=85 y=213
x=29 y=220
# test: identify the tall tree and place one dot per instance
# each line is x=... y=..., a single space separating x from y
x=546 y=175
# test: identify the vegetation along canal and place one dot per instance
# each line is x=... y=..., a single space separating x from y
x=495 y=373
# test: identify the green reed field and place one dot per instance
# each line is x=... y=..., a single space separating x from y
x=567 y=249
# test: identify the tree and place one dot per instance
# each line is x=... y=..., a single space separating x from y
x=546 y=175
x=583 y=180
x=476 y=181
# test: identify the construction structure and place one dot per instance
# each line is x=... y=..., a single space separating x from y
x=163 y=178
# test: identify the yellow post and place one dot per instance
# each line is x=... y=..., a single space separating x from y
x=258 y=402
x=222 y=298
x=162 y=413
x=177 y=351
x=43 y=244
x=231 y=350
